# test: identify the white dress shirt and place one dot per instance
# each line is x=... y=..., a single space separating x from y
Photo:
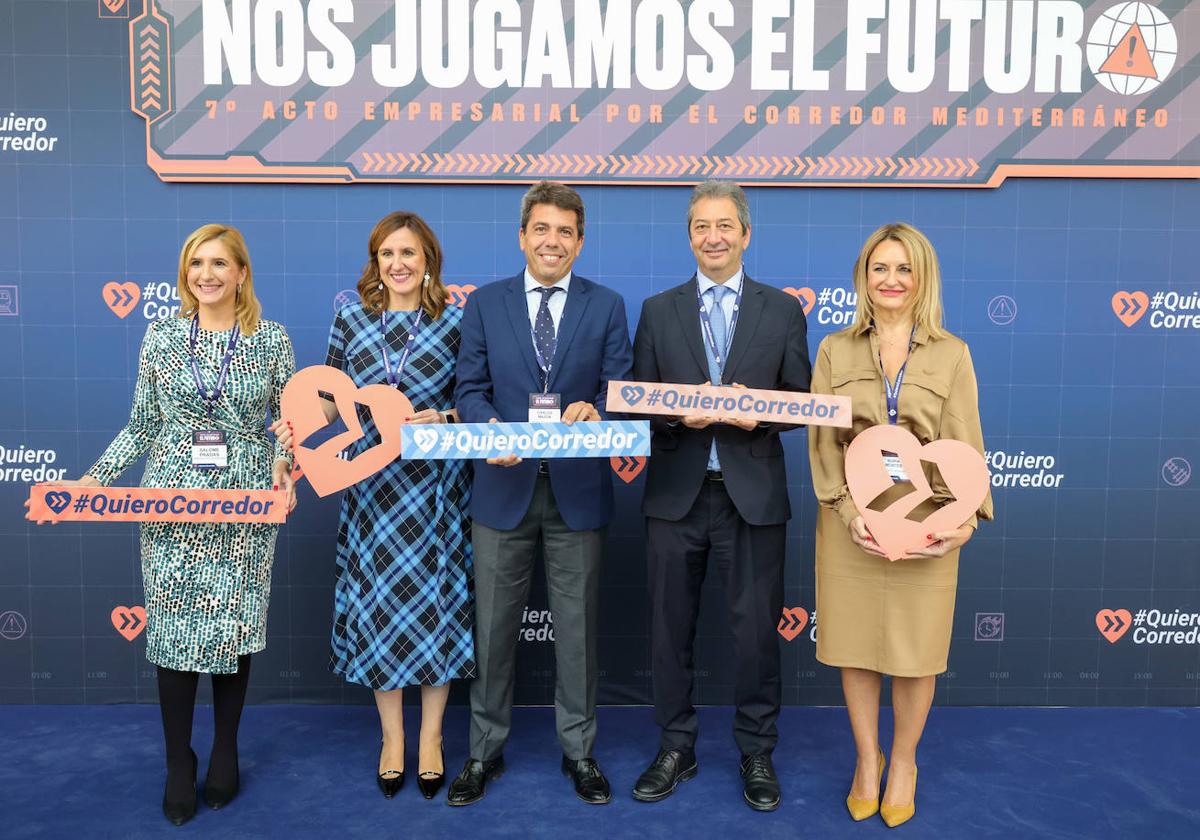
x=533 y=299
x=733 y=284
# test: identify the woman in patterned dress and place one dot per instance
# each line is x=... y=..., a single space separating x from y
x=206 y=585
x=403 y=603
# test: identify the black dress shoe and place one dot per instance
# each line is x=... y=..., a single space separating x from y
x=468 y=787
x=218 y=796
x=179 y=812
x=669 y=768
x=590 y=784
x=390 y=782
x=761 y=786
x=429 y=783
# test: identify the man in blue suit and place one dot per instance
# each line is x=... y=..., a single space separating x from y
x=537 y=346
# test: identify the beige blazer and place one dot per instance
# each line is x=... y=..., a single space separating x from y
x=939 y=399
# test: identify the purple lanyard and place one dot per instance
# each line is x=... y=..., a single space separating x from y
x=891 y=390
x=706 y=323
x=393 y=377
x=210 y=397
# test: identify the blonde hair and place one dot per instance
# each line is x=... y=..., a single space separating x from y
x=247 y=310
x=433 y=293
x=922 y=259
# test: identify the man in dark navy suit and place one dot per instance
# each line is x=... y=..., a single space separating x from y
x=539 y=346
x=716 y=488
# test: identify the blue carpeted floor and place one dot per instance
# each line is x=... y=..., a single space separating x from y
x=308 y=771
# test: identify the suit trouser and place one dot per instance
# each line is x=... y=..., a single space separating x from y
x=504 y=562
x=749 y=559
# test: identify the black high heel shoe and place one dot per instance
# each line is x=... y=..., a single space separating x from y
x=180 y=812
x=429 y=782
x=390 y=787
x=217 y=797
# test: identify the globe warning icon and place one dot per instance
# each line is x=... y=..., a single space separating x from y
x=1131 y=48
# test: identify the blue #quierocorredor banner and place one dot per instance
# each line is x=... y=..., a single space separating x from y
x=867 y=92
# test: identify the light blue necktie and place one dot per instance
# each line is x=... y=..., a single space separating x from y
x=716 y=319
x=720 y=333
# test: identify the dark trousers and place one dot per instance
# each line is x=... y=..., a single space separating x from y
x=504 y=563
x=749 y=559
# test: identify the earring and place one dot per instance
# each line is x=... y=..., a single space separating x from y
x=426 y=278
x=380 y=286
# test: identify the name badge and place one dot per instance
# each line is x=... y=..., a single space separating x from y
x=209 y=451
x=894 y=466
x=545 y=408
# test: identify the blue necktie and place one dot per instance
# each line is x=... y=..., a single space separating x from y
x=720 y=333
x=716 y=319
x=544 y=336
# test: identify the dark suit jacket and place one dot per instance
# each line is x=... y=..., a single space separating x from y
x=770 y=350
x=497 y=371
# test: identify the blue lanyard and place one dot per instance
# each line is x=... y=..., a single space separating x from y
x=544 y=363
x=706 y=324
x=393 y=377
x=210 y=397
x=891 y=391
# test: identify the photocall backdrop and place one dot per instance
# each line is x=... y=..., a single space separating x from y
x=1078 y=297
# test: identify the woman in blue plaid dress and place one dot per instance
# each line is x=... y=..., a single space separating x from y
x=403 y=605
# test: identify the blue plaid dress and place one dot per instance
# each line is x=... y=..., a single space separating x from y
x=404 y=609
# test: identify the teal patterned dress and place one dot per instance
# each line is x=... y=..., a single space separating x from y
x=206 y=584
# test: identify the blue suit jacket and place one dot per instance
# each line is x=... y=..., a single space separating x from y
x=497 y=371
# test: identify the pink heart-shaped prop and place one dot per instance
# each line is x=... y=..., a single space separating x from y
x=961 y=466
x=301 y=406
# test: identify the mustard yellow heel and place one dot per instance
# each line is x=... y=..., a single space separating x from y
x=861 y=809
x=895 y=815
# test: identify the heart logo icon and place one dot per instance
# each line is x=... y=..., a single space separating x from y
x=1113 y=624
x=794 y=620
x=457 y=295
x=121 y=297
x=628 y=467
x=632 y=394
x=962 y=468
x=301 y=405
x=1129 y=307
x=805 y=295
x=114 y=6
x=129 y=621
x=57 y=500
x=425 y=439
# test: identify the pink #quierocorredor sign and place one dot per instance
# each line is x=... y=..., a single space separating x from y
x=961 y=467
x=759 y=404
x=77 y=503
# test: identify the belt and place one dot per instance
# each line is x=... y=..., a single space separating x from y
x=714 y=475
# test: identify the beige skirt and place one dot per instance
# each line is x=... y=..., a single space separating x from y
x=879 y=615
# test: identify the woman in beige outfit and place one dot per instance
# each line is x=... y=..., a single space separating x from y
x=876 y=616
